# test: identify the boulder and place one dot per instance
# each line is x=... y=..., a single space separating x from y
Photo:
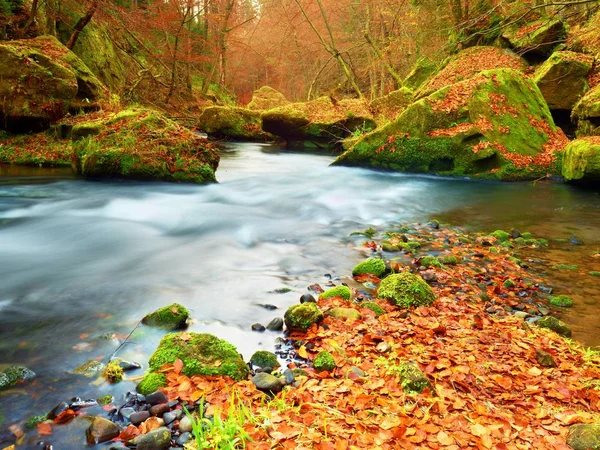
x=41 y=81
x=421 y=70
x=344 y=313
x=14 y=375
x=140 y=143
x=101 y=430
x=232 y=122
x=537 y=38
x=552 y=323
x=581 y=160
x=267 y=382
x=151 y=383
x=324 y=362
x=477 y=127
x=320 y=123
x=338 y=291
x=584 y=436
x=172 y=317
x=373 y=266
x=562 y=79
x=267 y=98
x=586 y=114
x=302 y=317
x=159 y=439
x=391 y=105
x=405 y=290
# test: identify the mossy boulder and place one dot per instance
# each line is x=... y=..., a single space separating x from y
x=405 y=290
x=560 y=300
x=267 y=98
x=537 y=38
x=412 y=379
x=562 y=79
x=201 y=354
x=430 y=261
x=302 y=317
x=232 y=122
x=552 y=323
x=344 y=313
x=378 y=310
x=373 y=266
x=171 y=317
x=320 y=123
x=338 y=291
x=586 y=113
x=581 y=160
x=584 y=436
x=41 y=81
x=495 y=125
x=421 y=70
x=13 y=375
x=264 y=359
x=324 y=362
x=151 y=383
x=500 y=235
x=391 y=105
x=140 y=143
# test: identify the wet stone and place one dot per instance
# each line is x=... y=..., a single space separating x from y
x=514 y=233
x=185 y=425
x=544 y=359
x=159 y=439
x=258 y=327
x=139 y=417
x=155 y=398
x=289 y=376
x=126 y=413
x=275 y=325
x=128 y=365
x=307 y=298
x=159 y=410
x=101 y=430
x=268 y=306
x=183 y=438
x=545 y=289
x=169 y=417
x=62 y=406
x=575 y=240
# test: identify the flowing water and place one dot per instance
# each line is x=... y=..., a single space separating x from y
x=82 y=261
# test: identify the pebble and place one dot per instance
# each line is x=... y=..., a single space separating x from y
x=514 y=233
x=521 y=314
x=155 y=398
x=139 y=417
x=268 y=306
x=575 y=240
x=545 y=289
x=159 y=410
x=169 y=417
x=307 y=298
x=101 y=430
x=126 y=413
x=289 y=376
x=128 y=365
x=185 y=424
x=258 y=327
x=316 y=288
x=62 y=406
x=183 y=438
x=159 y=439
x=267 y=383
x=276 y=324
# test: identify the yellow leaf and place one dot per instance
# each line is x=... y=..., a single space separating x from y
x=302 y=352
x=479 y=430
x=534 y=372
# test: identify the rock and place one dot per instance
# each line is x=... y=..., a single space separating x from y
x=536 y=38
x=127 y=412
x=584 y=436
x=406 y=290
x=412 y=379
x=560 y=300
x=562 y=79
x=421 y=70
x=159 y=439
x=435 y=224
x=101 y=430
x=258 y=327
x=163 y=150
x=267 y=383
x=545 y=289
x=171 y=317
x=89 y=368
x=392 y=104
x=267 y=98
x=128 y=366
x=268 y=306
x=151 y=382
x=61 y=407
x=302 y=317
x=232 y=122
x=544 y=359
x=14 y=375
x=378 y=310
x=185 y=424
x=430 y=261
x=575 y=240
x=521 y=314
x=156 y=398
x=552 y=323
x=276 y=324
x=41 y=81
x=338 y=291
x=383 y=347
x=307 y=298
x=139 y=417
x=289 y=376
x=160 y=409
x=514 y=233
x=344 y=313
x=355 y=372
x=169 y=417
x=183 y=438
x=486 y=144
x=373 y=266
x=201 y=353
x=324 y=362
x=581 y=161
x=586 y=113
x=264 y=360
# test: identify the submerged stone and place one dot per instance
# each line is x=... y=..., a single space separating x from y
x=14 y=375
x=101 y=430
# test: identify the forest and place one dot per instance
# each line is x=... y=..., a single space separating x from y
x=300 y=224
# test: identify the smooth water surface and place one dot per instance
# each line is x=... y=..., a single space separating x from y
x=81 y=262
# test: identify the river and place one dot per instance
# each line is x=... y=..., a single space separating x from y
x=82 y=261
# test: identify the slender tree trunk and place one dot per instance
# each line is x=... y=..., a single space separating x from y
x=31 y=19
x=457 y=11
x=81 y=23
x=51 y=17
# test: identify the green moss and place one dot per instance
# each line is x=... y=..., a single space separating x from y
x=526 y=235
x=594 y=273
x=406 y=290
x=302 y=317
x=105 y=400
x=566 y=267
x=430 y=261
x=264 y=359
x=412 y=379
x=338 y=291
x=171 y=317
x=421 y=70
x=581 y=161
x=33 y=421
x=267 y=98
x=449 y=260
x=560 y=300
x=324 y=362
x=113 y=372
x=232 y=122
x=151 y=383
x=201 y=353
x=344 y=313
x=500 y=235
x=584 y=436
x=14 y=375
x=372 y=266
x=539 y=37
x=552 y=323
x=378 y=310
x=369 y=232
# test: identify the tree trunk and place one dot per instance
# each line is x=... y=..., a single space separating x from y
x=81 y=23
x=457 y=12
x=31 y=19
x=51 y=17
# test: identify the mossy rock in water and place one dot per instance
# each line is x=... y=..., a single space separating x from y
x=430 y=261
x=41 y=81
x=344 y=313
x=560 y=300
x=264 y=359
x=537 y=38
x=373 y=266
x=584 y=436
x=172 y=317
x=449 y=260
x=324 y=362
x=412 y=379
x=140 y=143
x=338 y=291
x=267 y=98
x=581 y=160
x=552 y=323
x=421 y=70
x=562 y=79
x=378 y=310
x=476 y=128
x=391 y=105
x=232 y=122
x=302 y=317
x=13 y=375
x=113 y=372
x=201 y=353
x=151 y=382
x=405 y=290
x=89 y=368
x=501 y=235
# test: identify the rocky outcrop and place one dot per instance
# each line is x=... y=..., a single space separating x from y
x=391 y=105
x=586 y=114
x=581 y=161
x=421 y=70
x=233 y=123
x=537 y=38
x=267 y=98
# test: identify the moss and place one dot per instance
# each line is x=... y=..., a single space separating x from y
x=539 y=37
x=421 y=70
x=151 y=383
x=368 y=232
x=33 y=421
x=560 y=300
x=430 y=261
x=302 y=317
x=406 y=290
x=113 y=372
x=581 y=161
x=14 y=375
x=86 y=129
x=552 y=323
x=324 y=362
x=391 y=105
x=344 y=313
x=105 y=400
x=267 y=98
x=171 y=317
x=449 y=260
x=584 y=436
x=264 y=359
x=201 y=353
x=500 y=235
x=372 y=266
x=378 y=310
x=566 y=267
x=40 y=149
x=527 y=235
x=232 y=122
x=509 y=284
x=338 y=291
x=412 y=379
x=594 y=273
